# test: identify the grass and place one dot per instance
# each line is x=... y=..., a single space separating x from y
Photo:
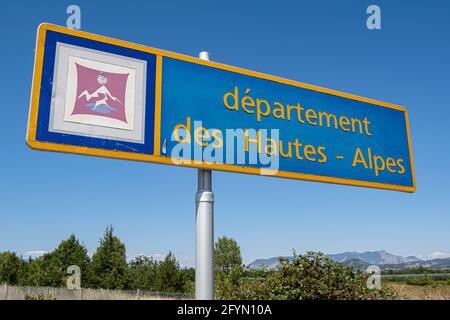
x=48 y=293
x=436 y=290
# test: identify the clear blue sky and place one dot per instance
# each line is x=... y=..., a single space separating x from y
x=325 y=43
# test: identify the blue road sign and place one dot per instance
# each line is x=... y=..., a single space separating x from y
x=99 y=96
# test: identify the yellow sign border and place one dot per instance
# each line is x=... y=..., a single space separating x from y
x=157 y=158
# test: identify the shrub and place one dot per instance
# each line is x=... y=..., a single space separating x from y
x=39 y=296
x=421 y=281
x=307 y=277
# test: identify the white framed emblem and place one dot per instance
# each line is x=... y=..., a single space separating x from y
x=98 y=94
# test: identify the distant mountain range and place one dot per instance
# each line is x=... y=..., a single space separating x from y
x=362 y=260
x=373 y=257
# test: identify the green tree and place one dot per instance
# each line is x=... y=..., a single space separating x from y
x=34 y=273
x=109 y=266
x=11 y=268
x=227 y=254
x=71 y=252
x=142 y=273
x=228 y=265
x=50 y=272
x=51 y=269
x=228 y=284
x=42 y=271
x=169 y=276
x=189 y=276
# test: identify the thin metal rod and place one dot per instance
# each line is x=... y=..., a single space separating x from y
x=204 y=231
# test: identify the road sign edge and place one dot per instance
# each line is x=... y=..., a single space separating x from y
x=36 y=85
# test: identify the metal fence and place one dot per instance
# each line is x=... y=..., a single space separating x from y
x=8 y=292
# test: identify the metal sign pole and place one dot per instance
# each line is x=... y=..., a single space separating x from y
x=204 y=231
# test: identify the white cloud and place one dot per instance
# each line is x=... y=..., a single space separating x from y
x=434 y=255
x=185 y=260
x=35 y=253
x=439 y=255
x=158 y=256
